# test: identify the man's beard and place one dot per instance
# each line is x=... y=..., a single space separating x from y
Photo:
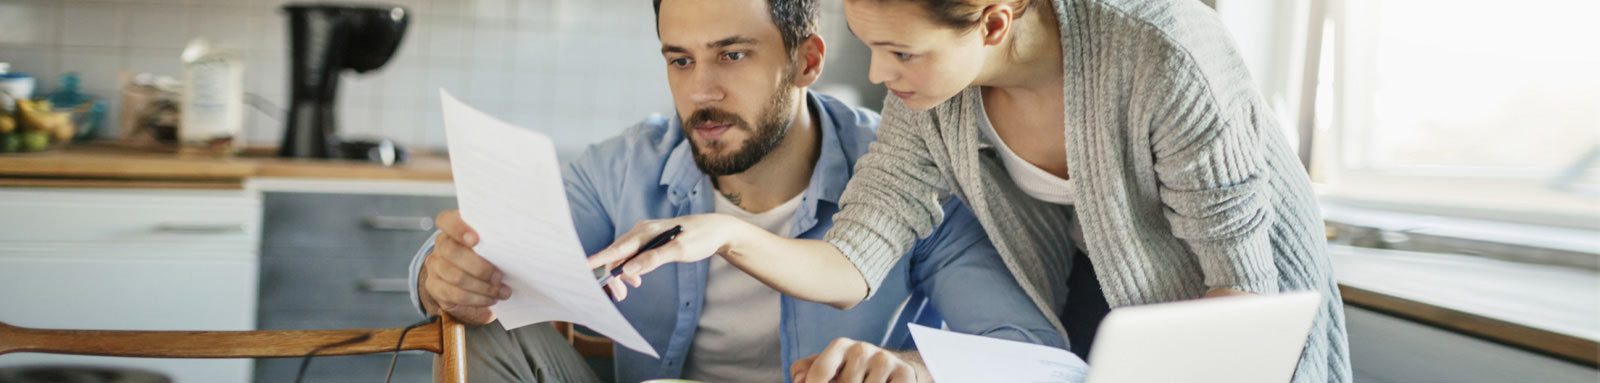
x=775 y=118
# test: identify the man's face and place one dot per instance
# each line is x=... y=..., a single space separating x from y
x=732 y=82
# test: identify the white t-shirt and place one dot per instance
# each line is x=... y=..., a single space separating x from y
x=737 y=337
x=1035 y=182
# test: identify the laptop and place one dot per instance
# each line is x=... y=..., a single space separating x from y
x=1241 y=339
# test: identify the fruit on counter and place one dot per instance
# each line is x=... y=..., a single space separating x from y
x=36 y=116
x=30 y=112
x=7 y=124
x=35 y=141
x=10 y=142
x=64 y=130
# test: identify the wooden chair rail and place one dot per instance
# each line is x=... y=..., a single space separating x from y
x=587 y=346
x=445 y=337
x=215 y=344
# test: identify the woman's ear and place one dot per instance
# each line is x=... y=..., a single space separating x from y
x=812 y=53
x=996 y=22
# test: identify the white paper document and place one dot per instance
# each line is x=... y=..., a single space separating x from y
x=509 y=189
x=954 y=357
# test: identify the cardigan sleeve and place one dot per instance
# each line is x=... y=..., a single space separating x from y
x=1210 y=164
x=893 y=198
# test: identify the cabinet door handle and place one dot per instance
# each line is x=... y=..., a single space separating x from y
x=385 y=285
x=385 y=222
x=201 y=228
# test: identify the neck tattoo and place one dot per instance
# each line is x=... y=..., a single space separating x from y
x=734 y=198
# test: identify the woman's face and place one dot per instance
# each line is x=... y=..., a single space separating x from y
x=920 y=61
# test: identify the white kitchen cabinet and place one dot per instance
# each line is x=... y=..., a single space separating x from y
x=131 y=260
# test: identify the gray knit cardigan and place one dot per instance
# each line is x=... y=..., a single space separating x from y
x=1183 y=181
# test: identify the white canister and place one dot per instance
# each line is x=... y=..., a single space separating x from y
x=213 y=97
x=13 y=87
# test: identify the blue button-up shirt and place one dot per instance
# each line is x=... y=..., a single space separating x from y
x=649 y=173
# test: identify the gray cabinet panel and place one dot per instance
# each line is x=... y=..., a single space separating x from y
x=339 y=261
x=310 y=219
x=1389 y=349
x=338 y=319
x=306 y=283
x=411 y=367
x=392 y=251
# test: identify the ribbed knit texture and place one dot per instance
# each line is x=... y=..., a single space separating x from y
x=1184 y=181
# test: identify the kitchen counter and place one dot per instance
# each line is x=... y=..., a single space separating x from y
x=109 y=165
x=1546 y=309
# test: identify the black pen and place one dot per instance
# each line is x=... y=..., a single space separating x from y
x=660 y=239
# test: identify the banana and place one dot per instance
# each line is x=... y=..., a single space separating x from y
x=7 y=124
x=36 y=116
x=32 y=115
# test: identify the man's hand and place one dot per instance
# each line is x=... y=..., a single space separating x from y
x=850 y=361
x=456 y=279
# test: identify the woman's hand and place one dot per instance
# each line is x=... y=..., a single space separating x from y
x=703 y=236
x=850 y=361
x=808 y=269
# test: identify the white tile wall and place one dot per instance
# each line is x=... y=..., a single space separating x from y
x=580 y=70
x=29 y=22
x=90 y=26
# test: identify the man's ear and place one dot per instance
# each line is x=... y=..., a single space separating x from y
x=997 y=22
x=812 y=53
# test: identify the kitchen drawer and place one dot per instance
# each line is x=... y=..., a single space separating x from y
x=129 y=216
x=350 y=220
x=390 y=250
x=144 y=286
x=340 y=261
x=336 y=283
x=70 y=286
x=412 y=367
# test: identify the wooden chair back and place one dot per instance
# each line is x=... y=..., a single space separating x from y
x=445 y=337
x=588 y=346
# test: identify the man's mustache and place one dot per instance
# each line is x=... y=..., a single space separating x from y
x=715 y=116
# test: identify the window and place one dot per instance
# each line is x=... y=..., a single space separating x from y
x=1480 y=108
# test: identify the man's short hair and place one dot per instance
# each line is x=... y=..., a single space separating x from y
x=796 y=20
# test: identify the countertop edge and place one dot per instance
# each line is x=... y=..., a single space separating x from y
x=351 y=186
x=1561 y=346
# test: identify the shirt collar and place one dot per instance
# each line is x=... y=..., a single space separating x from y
x=828 y=178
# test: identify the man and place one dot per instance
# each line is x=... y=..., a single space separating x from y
x=750 y=142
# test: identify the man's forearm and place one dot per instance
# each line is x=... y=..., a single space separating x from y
x=808 y=269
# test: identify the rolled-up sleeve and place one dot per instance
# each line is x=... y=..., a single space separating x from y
x=416 y=273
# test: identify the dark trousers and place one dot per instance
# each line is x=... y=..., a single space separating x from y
x=1086 y=306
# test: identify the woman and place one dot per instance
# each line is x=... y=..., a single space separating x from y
x=1125 y=135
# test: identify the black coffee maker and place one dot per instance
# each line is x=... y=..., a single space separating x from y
x=324 y=40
